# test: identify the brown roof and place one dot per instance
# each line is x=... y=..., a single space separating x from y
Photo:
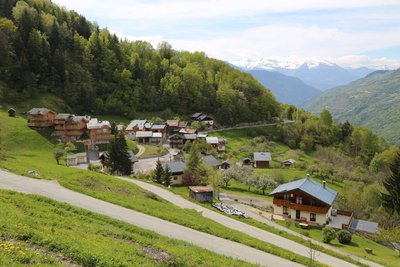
x=183 y=124
x=200 y=189
x=173 y=123
x=39 y=111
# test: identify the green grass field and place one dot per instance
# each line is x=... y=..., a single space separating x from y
x=19 y=156
x=153 y=150
x=75 y=236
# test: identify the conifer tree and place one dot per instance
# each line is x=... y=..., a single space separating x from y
x=158 y=172
x=118 y=156
x=167 y=176
x=391 y=200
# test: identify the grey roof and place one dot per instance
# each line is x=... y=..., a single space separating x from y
x=175 y=167
x=310 y=187
x=183 y=124
x=262 y=156
x=290 y=161
x=132 y=156
x=142 y=134
x=62 y=116
x=39 y=111
x=158 y=126
x=211 y=161
x=77 y=119
x=196 y=115
x=92 y=154
x=364 y=226
x=139 y=123
x=190 y=136
x=204 y=117
x=148 y=125
x=212 y=140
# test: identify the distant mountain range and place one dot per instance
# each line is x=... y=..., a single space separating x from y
x=287 y=89
x=320 y=74
x=373 y=102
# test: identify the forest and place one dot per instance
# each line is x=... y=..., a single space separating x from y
x=47 y=49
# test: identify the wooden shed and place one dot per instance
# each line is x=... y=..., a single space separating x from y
x=201 y=193
x=11 y=112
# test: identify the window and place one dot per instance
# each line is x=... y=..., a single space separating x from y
x=313 y=217
x=299 y=200
x=285 y=210
x=286 y=196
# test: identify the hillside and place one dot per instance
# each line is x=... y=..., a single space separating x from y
x=373 y=102
x=287 y=89
x=48 y=49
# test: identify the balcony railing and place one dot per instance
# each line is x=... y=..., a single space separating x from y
x=295 y=206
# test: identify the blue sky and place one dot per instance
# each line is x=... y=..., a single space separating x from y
x=351 y=33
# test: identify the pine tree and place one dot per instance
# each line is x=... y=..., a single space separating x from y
x=167 y=176
x=391 y=200
x=194 y=160
x=118 y=156
x=158 y=172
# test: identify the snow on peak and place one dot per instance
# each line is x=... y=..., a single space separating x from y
x=272 y=63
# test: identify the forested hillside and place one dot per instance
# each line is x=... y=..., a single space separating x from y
x=372 y=102
x=47 y=49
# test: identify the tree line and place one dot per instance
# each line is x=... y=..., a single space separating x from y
x=46 y=49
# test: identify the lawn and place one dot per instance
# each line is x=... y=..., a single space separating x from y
x=20 y=156
x=153 y=150
x=382 y=254
x=69 y=235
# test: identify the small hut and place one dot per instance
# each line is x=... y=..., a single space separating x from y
x=201 y=193
x=11 y=112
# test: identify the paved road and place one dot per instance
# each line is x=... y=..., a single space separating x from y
x=239 y=226
x=149 y=164
x=249 y=126
x=222 y=246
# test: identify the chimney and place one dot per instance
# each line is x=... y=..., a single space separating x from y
x=323 y=184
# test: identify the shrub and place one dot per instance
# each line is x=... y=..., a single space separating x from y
x=94 y=167
x=328 y=234
x=344 y=237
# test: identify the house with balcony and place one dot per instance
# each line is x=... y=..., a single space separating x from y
x=41 y=118
x=135 y=126
x=74 y=128
x=304 y=201
x=99 y=131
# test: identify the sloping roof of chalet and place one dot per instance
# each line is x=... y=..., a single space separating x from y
x=196 y=115
x=262 y=156
x=211 y=161
x=175 y=167
x=77 y=119
x=11 y=109
x=142 y=134
x=204 y=118
x=202 y=135
x=183 y=124
x=132 y=157
x=73 y=156
x=39 y=111
x=139 y=123
x=172 y=123
x=200 y=189
x=212 y=140
x=190 y=136
x=157 y=135
x=188 y=131
x=96 y=124
x=311 y=187
x=174 y=136
x=62 y=116
x=148 y=125
x=291 y=161
x=158 y=127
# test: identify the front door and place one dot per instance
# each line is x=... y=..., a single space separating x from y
x=297 y=214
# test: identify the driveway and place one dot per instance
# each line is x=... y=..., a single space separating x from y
x=245 y=228
x=149 y=164
x=53 y=190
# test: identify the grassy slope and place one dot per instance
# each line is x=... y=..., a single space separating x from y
x=21 y=156
x=77 y=236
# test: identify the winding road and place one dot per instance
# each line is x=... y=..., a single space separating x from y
x=53 y=190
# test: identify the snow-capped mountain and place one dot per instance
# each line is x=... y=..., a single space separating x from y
x=319 y=73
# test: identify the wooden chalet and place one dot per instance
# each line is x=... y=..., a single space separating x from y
x=201 y=193
x=99 y=131
x=176 y=169
x=304 y=200
x=262 y=160
x=74 y=128
x=41 y=118
x=11 y=112
x=176 y=141
x=135 y=126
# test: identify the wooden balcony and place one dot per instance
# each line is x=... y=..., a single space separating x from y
x=74 y=133
x=74 y=126
x=40 y=124
x=295 y=206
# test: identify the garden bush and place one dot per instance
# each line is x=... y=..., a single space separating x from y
x=328 y=234
x=344 y=237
